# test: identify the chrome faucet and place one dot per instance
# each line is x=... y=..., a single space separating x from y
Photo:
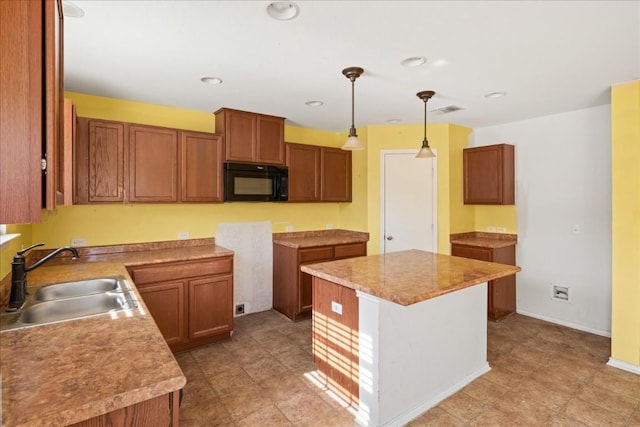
x=19 y=274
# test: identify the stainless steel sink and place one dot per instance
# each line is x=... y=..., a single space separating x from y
x=73 y=308
x=81 y=287
x=71 y=300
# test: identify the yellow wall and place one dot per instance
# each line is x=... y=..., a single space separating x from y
x=625 y=158
x=504 y=216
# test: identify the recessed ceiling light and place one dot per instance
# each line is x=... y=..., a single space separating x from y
x=70 y=10
x=211 y=80
x=394 y=121
x=495 y=95
x=414 y=61
x=283 y=10
x=314 y=103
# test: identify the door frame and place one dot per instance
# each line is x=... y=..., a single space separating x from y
x=434 y=189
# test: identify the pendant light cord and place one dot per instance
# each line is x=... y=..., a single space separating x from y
x=352 y=131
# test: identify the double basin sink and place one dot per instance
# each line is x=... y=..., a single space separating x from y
x=72 y=300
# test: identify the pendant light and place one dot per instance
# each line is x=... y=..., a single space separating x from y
x=425 y=151
x=352 y=143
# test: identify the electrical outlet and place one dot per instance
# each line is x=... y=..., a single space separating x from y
x=288 y=228
x=183 y=235
x=336 y=307
x=501 y=229
x=576 y=229
x=560 y=293
x=78 y=241
x=239 y=309
x=328 y=226
x=491 y=229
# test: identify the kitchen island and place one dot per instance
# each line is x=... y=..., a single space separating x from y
x=395 y=334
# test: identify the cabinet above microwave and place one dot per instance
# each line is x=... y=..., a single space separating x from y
x=251 y=137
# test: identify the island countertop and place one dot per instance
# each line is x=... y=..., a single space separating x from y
x=66 y=372
x=409 y=277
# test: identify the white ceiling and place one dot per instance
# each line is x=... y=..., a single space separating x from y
x=550 y=56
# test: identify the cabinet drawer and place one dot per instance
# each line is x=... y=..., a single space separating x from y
x=482 y=254
x=351 y=250
x=181 y=270
x=315 y=254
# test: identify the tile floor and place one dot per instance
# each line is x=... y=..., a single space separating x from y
x=542 y=375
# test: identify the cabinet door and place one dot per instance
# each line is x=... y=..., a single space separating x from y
x=210 y=306
x=309 y=256
x=489 y=175
x=483 y=254
x=53 y=85
x=21 y=105
x=239 y=135
x=153 y=164
x=303 y=162
x=166 y=303
x=100 y=161
x=335 y=177
x=270 y=140
x=201 y=167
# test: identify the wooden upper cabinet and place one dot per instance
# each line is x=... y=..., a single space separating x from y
x=100 y=161
x=153 y=164
x=251 y=137
x=64 y=188
x=303 y=162
x=30 y=106
x=201 y=166
x=335 y=176
x=489 y=176
x=126 y=162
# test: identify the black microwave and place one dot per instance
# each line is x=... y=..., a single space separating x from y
x=244 y=182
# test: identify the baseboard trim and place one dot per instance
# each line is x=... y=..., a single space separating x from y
x=403 y=419
x=571 y=325
x=625 y=366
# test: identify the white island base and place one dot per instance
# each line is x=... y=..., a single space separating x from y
x=412 y=357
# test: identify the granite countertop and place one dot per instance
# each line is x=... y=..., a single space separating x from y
x=308 y=239
x=484 y=240
x=409 y=277
x=66 y=372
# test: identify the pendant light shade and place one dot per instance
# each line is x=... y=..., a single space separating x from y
x=425 y=152
x=352 y=143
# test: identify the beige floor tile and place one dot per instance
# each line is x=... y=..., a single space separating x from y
x=304 y=408
x=542 y=374
x=265 y=416
x=593 y=415
x=437 y=417
x=621 y=382
x=264 y=368
x=463 y=406
x=608 y=399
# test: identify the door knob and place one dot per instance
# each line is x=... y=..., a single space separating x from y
x=389 y=237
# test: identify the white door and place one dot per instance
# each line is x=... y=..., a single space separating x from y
x=408 y=202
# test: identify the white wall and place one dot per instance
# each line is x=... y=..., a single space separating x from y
x=563 y=177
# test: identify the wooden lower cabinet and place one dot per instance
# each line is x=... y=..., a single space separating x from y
x=501 y=292
x=292 y=293
x=190 y=301
x=157 y=412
